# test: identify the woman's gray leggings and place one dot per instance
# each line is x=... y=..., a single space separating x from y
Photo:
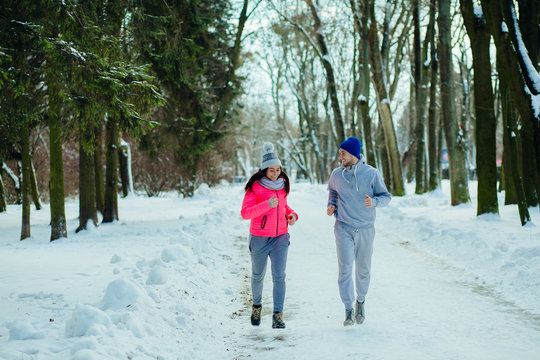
x=276 y=248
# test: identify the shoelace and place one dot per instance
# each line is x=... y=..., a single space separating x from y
x=256 y=313
x=278 y=317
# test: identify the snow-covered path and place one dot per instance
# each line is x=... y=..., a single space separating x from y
x=419 y=306
x=170 y=280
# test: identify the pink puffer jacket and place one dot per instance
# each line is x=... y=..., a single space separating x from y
x=266 y=220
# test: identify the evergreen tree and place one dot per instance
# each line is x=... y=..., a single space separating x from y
x=187 y=44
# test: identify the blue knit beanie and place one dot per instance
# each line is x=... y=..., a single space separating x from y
x=352 y=145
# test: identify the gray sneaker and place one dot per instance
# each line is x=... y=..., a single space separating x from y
x=348 y=317
x=360 y=313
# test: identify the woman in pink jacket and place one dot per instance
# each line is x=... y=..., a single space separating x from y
x=265 y=204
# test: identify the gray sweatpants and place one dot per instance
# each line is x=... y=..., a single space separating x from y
x=276 y=248
x=354 y=247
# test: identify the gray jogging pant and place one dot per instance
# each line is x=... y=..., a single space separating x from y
x=354 y=247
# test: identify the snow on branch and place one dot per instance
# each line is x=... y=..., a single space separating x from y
x=532 y=77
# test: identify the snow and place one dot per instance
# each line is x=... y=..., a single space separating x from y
x=478 y=12
x=170 y=280
x=529 y=66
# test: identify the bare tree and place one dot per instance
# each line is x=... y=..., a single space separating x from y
x=486 y=123
x=455 y=141
x=383 y=105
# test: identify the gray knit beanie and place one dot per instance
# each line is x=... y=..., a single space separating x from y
x=269 y=157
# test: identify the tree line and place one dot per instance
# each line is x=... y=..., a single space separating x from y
x=342 y=64
x=174 y=77
x=163 y=73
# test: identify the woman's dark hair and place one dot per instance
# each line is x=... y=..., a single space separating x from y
x=262 y=173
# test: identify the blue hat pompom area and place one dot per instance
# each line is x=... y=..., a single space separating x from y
x=352 y=145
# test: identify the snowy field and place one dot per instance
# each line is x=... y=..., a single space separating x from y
x=170 y=280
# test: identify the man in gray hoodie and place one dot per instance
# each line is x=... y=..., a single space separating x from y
x=355 y=190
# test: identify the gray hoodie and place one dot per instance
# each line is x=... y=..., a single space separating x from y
x=347 y=189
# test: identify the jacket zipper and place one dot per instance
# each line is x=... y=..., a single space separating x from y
x=277 y=217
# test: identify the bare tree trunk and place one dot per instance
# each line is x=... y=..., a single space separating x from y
x=525 y=35
x=486 y=124
x=98 y=172
x=383 y=154
x=87 y=186
x=383 y=102
x=509 y=116
x=408 y=161
x=56 y=186
x=26 y=179
x=360 y=10
x=34 y=186
x=529 y=20
x=325 y=59
x=433 y=134
x=110 y=212
x=3 y=203
x=511 y=130
x=420 y=102
x=453 y=133
x=124 y=170
x=521 y=85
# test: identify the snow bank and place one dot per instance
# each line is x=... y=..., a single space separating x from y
x=88 y=321
x=23 y=330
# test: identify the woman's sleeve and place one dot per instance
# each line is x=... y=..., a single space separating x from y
x=290 y=211
x=252 y=210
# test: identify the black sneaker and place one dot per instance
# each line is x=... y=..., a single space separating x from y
x=360 y=313
x=277 y=321
x=256 y=315
x=348 y=317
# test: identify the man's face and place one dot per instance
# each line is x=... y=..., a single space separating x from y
x=347 y=159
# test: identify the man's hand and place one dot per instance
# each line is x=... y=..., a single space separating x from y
x=368 y=201
x=273 y=202
x=330 y=210
x=291 y=219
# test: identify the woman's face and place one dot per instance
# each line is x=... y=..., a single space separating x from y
x=273 y=172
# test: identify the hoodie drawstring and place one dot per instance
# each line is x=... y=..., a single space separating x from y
x=354 y=173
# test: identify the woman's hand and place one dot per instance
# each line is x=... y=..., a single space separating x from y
x=291 y=219
x=330 y=210
x=273 y=202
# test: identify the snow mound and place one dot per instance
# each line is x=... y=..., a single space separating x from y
x=23 y=330
x=175 y=253
x=123 y=294
x=158 y=276
x=127 y=321
x=87 y=320
x=86 y=354
x=115 y=259
x=203 y=190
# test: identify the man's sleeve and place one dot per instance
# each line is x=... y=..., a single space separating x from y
x=332 y=192
x=381 y=195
